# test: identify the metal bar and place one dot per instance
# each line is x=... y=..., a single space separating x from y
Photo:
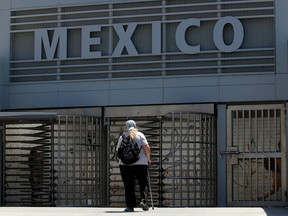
x=195 y=159
x=74 y=147
x=250 y=159
x=257 y=152
x=58 y=168
x=81 y=161
x=66 y=160
x=283 y=146
x=181 y=156
x=173 y=157
x=188 y=157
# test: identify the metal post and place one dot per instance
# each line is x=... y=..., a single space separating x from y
x=150 y=190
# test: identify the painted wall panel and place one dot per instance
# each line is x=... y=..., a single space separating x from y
x=281 y=86
x=84 y=86
x=32 y=3
x=4 y=53
x=191 y=94
x=37 y=100
x=191 y=81
x=36 y=88
x=5 y=4
x=136 y=96
x=85 y=98
x=235 y=93
x=281 y=16
x=134 y=84
x=247 y=79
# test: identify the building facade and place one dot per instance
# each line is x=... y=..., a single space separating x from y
x=205 y=80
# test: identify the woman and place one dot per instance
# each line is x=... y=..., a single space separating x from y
x=139 y=169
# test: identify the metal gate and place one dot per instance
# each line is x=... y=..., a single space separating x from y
x=80 y=161
x=28 y=163
x=59 y=161
x=70 y=161
x=256 y=146
x=183 y=170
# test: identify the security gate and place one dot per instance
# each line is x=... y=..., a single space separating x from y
x=256 y=146
x=28 y=163
x=67 y=160
x=183 y=170
x=53 y=161
x=80 y=161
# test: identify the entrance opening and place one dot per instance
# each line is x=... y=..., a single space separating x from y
x=61 y=160
x=28 y=164
x=183 y=170
x=256 y=155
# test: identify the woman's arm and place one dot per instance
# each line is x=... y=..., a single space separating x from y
x=147 y=151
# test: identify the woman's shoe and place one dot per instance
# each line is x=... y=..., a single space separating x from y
x=143 y=205
x=129 y=209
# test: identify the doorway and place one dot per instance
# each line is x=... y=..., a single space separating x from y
x=256 y=159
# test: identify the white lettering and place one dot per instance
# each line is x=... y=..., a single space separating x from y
x=181 y=36
x=238 y=34
x=125 y=40
x=59 y=40
x=87 y=41
x=56 y=48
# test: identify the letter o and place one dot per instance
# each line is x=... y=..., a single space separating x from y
x=238 y=34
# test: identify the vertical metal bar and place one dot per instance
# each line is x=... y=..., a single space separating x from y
x=237 y=143
x=3 y=164
x=81 y=162
x=188 y=158
x=107 y=152
x=250 y=160
x=73 y=160
x=93 y=167
x=275 y=152
x=87 y=158
x=269 y=149
x=244 y=154
x=214 y=162
x=283 y=146
x=263 y=148
x=59 y=196
x=257 y=152
x=66 y=160
x=201 y=158
x=52 y=179
x=173 y=157
x=205 y=161
x=180 y=159
x=161 y=192
x=210 y=159
x=195 y=160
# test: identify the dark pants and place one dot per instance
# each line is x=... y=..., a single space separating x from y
x=128 y=174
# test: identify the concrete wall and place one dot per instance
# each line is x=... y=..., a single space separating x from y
x=194 y=89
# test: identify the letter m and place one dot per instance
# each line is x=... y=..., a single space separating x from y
x=58 y=40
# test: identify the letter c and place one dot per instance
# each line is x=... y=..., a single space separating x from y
x=180 y=36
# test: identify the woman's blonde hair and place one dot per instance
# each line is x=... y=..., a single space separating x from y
x=132 y=133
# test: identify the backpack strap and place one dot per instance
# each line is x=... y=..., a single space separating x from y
x=124 y=135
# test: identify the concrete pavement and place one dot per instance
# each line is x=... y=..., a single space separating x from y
x=87 y=211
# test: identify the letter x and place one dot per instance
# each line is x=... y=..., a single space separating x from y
x=125 y=40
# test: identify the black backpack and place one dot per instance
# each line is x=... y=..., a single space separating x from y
x=128 y=150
